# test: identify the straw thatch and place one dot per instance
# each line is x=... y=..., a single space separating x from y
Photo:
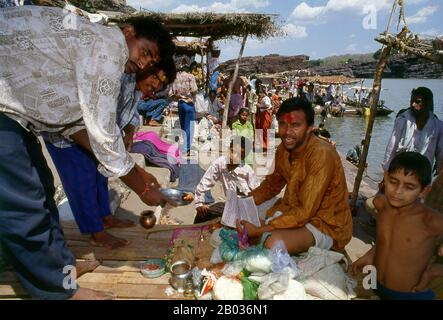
x=91 y=6
x=190 y=47
x=195 y=24
x=216 y=25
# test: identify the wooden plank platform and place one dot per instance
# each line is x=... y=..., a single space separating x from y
x=119 y=271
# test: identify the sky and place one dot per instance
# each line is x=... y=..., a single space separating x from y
x=317 y=28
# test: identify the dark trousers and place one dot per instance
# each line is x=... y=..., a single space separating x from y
x=186 y=116
x=85 y=187
x=30 y=232
x=152 y=108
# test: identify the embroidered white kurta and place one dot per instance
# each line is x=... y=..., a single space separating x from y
x=61 y=73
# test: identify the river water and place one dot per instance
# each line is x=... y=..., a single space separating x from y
x=349 y=131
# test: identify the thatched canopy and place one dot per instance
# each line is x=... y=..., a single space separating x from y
x=190 y=47
x=339 y=79
x=91 y=6
x=215 y=25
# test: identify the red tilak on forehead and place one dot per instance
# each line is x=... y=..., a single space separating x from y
x=288 y=117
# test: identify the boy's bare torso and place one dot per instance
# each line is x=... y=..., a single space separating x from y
x=404 y=245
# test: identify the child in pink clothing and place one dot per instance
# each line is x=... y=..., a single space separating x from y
x=162 y=146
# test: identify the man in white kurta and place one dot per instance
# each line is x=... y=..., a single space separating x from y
x=417 y=129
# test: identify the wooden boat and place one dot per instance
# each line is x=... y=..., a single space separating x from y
x=346 y=111
x=381 y=111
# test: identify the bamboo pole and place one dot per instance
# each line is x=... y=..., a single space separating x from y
x=208 y=50
x=231 y=83
x=202 y=52
x=381 y=65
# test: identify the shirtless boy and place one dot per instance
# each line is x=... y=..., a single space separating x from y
x=407 y=232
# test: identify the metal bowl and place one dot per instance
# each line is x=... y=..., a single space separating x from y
x=177 y=196
x=152 y=268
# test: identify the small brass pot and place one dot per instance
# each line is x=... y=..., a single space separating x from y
x=147 y=219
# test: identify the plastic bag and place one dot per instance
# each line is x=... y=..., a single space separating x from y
x=272 y=284
x=250 y=288
x=324 y=277
x=203 y=131
x=201 y=105
x=233 y=269
x=317 y=259
x=294 y=291
x=330 y=283
x=216 y=257
x=256 y=259
x=229 y=247
x=228 y=289
x=281 y=259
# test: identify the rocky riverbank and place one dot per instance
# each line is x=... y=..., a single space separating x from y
x=359 y=66
x=399 y=66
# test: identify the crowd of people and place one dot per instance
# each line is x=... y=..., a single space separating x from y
x=86 y=109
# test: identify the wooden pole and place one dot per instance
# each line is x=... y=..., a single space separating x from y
x=202 y=52
x=384 y=56
x=231 y=84
x=208 y=50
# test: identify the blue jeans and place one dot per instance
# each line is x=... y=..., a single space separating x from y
x=152 y=108
x=85 y=187
x=186 y=116
x=30 y=232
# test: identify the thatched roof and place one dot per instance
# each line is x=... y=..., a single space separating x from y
x=339 y=79
x=91 y=6
x=190 y=47
x=191 y=24
x=216 y=25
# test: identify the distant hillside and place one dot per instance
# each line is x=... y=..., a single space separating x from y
x=363 y=66
x=272 y=63
x=335 y=61
x=352 y=65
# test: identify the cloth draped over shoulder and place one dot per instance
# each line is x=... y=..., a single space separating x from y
x=316 y=191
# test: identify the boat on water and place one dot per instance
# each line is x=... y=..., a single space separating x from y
x=382 y=110
x=346 y=110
